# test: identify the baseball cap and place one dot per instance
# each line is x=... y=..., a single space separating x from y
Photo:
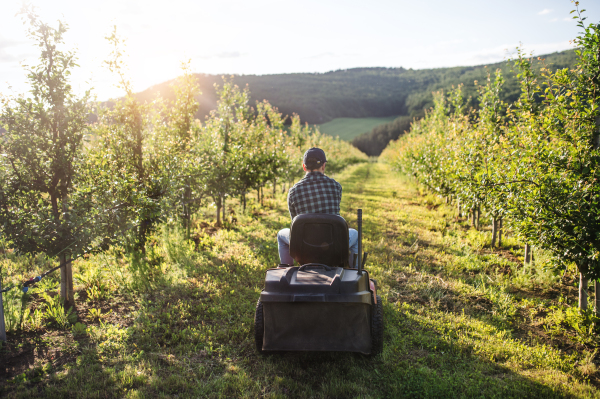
x=314 y=157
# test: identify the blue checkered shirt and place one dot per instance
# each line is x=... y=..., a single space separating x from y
x=315 y=193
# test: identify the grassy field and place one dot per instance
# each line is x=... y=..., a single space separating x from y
x=349 y=128
x=462 y=320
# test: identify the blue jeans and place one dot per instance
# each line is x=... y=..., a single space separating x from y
x=283 y=240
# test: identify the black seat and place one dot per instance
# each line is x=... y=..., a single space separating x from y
x=319 y=238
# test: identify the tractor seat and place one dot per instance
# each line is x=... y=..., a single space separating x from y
x=319 y=238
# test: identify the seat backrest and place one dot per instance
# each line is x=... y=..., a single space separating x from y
x=319 y=238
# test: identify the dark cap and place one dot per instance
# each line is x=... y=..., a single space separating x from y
x=314 y=157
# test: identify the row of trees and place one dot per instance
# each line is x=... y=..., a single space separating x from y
x=69 y=187
x=534 y=164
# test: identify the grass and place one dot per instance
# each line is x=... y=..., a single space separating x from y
x=462 y=320
x=349 y=128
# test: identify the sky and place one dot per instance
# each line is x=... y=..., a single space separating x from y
x=268 y=37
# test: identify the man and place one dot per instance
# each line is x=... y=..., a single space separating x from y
x=315 y=193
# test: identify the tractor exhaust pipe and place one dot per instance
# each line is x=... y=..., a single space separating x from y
x=359 y=225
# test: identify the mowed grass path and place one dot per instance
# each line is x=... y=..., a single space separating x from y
x=349 y=128
x=447 y=334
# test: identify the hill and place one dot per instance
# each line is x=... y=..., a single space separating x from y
x=354 y=93
x=373 y=142
x=359 y=92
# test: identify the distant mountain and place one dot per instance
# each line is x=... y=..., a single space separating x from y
x=373 y=142
x=357 y=92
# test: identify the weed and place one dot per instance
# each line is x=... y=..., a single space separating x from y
x=56 y=314
x=78 y=329
x=96 y=314
x=477 y=239
x=36 y=319
x=95 y=293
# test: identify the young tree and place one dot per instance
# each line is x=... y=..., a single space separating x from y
x=134 y=157
x=221 y=144
x=184 y=128
x=486 y=171
x=41 y=209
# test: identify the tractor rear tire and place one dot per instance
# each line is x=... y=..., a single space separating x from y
x=377 y=328
x=259 y=327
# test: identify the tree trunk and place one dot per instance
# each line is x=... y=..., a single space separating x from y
x=458 y=208
x=218 y=210
x=274 y=187
x=583 y=292
x=527 y=253
x=473 y=217
x=66 y=280
x=494 y=231
x=500 y=223
x=262 y=195
x=478 y=211
x=223 y=207
x=258 y=195
x=244 y=202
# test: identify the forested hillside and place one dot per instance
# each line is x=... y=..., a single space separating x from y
x=357 y=92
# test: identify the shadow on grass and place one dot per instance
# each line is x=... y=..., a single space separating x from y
x=417 y=362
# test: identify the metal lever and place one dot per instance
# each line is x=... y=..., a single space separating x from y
x=359 y=225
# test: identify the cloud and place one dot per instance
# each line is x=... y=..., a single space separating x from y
x=545 y=11
x=229 y=54
x=449 y=42
x=322 y=55
x=6 y=43
x=5 y=57
x=508 y=50
x=223 y=54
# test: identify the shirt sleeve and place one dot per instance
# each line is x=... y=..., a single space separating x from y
x=291 y=206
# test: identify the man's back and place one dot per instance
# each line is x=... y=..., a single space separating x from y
x=315 y=193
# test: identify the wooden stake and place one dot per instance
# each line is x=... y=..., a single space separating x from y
x=224 y=217
x=583 y=292
x=596 y=298
x=66 y=280
x=500 y=223
x=2 y=325
x=494 y=231
x=218 y=210
x=527 y=253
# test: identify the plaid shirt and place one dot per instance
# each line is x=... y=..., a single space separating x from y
x=315 y=193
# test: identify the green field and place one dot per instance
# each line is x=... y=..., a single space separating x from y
x=349 y=128
x=461 y=320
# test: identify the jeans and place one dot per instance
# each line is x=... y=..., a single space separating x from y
x=283 y=240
